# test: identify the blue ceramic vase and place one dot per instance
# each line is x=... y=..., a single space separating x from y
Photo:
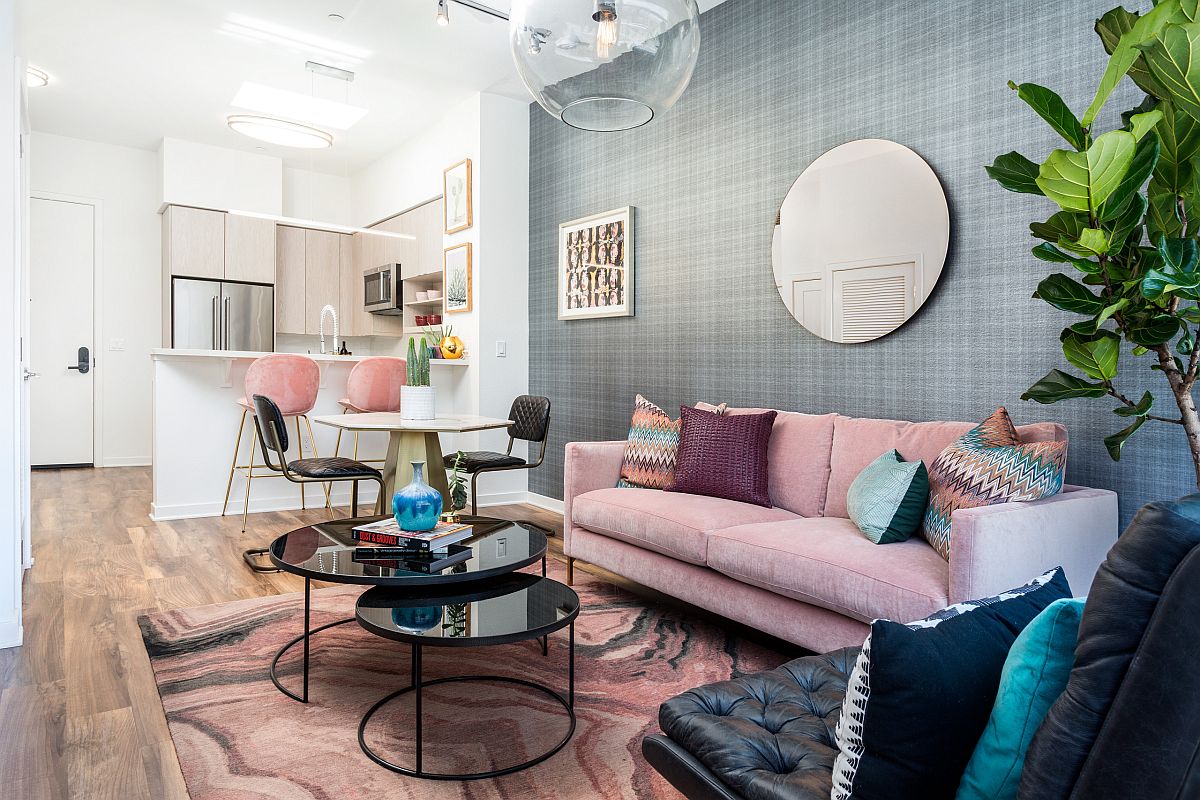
x=417 y=506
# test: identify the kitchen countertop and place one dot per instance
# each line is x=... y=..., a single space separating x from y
x=240 y=355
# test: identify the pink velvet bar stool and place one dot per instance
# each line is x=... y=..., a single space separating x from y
x=291 y=381
x=374 y=385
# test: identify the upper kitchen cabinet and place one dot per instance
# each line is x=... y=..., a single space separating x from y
x=322 y=276
x=289 y=280
x=194 y=242
x=249 y=249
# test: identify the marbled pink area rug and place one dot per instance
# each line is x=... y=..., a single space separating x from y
x=238 y=738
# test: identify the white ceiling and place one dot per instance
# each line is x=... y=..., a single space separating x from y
x=130 y=72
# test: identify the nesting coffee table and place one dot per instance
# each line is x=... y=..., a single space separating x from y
x=477 y=603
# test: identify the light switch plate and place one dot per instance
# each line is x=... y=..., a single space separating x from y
x=501 y=348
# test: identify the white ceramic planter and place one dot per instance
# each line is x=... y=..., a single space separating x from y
x=418 y=402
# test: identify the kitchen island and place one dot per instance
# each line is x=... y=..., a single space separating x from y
x=195 y=423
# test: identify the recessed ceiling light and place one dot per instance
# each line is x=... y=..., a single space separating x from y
x=300 y=107
x=281 y=132
x=35 y=76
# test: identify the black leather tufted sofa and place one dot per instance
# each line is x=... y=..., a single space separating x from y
x=1127 y=726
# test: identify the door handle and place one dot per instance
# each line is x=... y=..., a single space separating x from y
x=216 y=343
x=225 y=338
x=84 y=362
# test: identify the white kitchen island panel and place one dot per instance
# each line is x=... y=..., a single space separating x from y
x=195 y=425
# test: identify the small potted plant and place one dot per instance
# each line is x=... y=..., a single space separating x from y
x=418 y=400
x=458 y=489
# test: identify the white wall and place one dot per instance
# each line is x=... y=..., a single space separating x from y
x=217 y=177
x=11 y=223
x=493 y=132
x=129 y=315
x=317 y=196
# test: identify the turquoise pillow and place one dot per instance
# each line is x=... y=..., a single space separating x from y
x=1035 y=674
x=887 y=499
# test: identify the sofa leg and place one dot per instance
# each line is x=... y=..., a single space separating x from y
x=570 y=571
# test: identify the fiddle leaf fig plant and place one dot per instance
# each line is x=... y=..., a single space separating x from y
x=1124 y=239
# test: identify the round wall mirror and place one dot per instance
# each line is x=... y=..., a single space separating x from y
x=860 y=240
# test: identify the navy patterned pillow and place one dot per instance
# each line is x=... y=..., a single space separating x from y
x=920 y=695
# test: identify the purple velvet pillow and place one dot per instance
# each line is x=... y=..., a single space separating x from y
x=723 y=456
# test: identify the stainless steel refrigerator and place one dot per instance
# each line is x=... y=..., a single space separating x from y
x=216 y=315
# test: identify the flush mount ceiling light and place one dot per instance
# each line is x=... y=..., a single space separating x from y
x=35 y=76
x=281 y=132
x=614 y=65
x=272 y=102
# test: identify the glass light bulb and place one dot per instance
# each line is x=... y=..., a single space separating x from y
x=606 y=35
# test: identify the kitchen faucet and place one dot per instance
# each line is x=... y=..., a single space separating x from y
x=331 y=311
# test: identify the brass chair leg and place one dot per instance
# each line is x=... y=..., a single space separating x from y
x=233 y=464
x=300 y=454
x=249 y=477
x=355 y=456
x=570 y=571
x=337 y=445
x=328 y=485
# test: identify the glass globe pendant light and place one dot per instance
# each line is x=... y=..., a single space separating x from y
x=605 y=65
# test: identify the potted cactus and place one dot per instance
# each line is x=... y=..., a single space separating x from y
x=418 y=400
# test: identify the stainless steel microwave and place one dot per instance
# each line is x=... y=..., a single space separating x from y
x=383 y=290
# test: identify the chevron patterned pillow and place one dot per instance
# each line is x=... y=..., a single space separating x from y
x=989 y=465
x=650 y=449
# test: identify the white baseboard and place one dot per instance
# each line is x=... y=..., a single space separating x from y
x=259 y=505
x=502 y=499
x=542 y=501
x=127 y=461
x=11 y=634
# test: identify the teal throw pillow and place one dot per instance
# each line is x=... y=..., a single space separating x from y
x=887 y=499
x=1035 y=674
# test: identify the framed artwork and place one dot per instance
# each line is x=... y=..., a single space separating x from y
x=456 y=195
x=595 y=266
x=456 y=278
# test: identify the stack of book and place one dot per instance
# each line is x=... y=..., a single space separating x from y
x=424 y=551
x=387 y=532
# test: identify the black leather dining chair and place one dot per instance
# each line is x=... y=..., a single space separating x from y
x=272 y=433
x=530 y=417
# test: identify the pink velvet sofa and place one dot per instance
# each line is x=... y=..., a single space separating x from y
x=801 y=570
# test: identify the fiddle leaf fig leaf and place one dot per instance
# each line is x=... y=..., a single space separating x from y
x=1145 y=157
x=1116 y=443
x=1153 y=331
x=1082 y=181
x=1126 y=53
x=1129 y=221
x=1180 y=137
x=1162 y=216
x=1141 y=124
x=1111 y=27
x=1092 y=325
x=1063 y=225
x=1066 y=294
x=1092 y=242
x=1096 y=355
x=1050 y=107
x=1186 y=343
x=1059 y=385
x=1048 y=252
x=1140 y=410
x=1173 y=56
x=1015 y=172
x=1176 y=270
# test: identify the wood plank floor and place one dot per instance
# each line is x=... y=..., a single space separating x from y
x=80 y=717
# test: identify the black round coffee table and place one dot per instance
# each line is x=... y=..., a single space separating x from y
x=326 y=552
x=512 y=608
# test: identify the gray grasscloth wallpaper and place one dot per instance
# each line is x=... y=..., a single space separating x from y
x=780 y=82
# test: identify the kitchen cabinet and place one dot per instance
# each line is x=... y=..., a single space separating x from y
x=290 y=279
x=193 y=242
x=353 y=320
x=249 y=249
x=322 y=277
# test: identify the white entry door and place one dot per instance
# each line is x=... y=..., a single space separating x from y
x=62 y=271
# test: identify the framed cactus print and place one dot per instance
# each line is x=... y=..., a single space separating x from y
x=456 y=278
x=595 y=266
